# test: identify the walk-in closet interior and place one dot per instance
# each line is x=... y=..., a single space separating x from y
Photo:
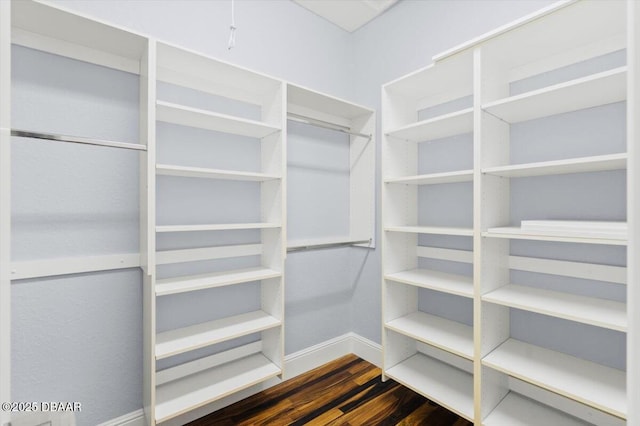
x=202 y=200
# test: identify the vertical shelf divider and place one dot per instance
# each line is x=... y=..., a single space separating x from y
x=633 y=213
x=148 y=225
x=5 y=208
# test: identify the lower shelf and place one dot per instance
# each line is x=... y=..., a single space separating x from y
x=442 y=333
x=593 y=384
x=515 y=410
x=440 y=382
x=187 y=393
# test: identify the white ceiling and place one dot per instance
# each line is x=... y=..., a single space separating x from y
x=347 y=14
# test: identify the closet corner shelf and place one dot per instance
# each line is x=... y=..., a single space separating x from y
x=442 y=333
x=199 y=172
x=434 y=178
x=565 y=237
x=443 y=126
x=168 y=286
x=446 y=385
x=196 y=390
x=435 y=230
x=174 y=342
x=215 y=227
x=586 y=310
x=193 y=117
x=594 y=90
x=517 y=410
x=598 y=163
x=592 y=384
x=459 y=285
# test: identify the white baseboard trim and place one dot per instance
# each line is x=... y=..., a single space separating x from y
x=135 y=418
x=314 y=356
x=366 y=349
x=295 y=364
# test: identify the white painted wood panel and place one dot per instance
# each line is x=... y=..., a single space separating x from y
x=168 y=286
x=585 y=381
x=188 y=393
x=436 y=230
x=442 y=333
x=199 y=172
x=194 y=117
x=434 y=178
x=516 y=410
x=173 y=342
x=435 y=280
x=443 y=384
x=587 y=310
x=451 y=124
x=599 y=89
x=597 y=163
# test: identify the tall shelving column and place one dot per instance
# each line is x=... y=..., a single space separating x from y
x=525 y=376
x=236 y=366
x=5 y=207
x=426 y=348
x=633 y=212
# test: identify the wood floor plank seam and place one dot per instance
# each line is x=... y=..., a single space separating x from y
x=344 y=392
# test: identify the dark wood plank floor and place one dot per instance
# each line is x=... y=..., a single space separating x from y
x=347 y=391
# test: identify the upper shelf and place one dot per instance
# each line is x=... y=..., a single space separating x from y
x=194 y=117
x=435 y=230
x=596 y=163
x=304 y=101
x=184 y=67
x=215 y=227
x=434 y=178
x=597 y=27
x=67 y=33
x=517 y=233
x=436 y=83
x=597 y=89
x=199 y=172
x=443 y=126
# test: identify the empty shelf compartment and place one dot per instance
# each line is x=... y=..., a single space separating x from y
x=216 y=279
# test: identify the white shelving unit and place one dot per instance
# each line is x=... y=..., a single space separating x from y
x=424 y=350
x=318 y=109
x=529 y=71
x=172 y=392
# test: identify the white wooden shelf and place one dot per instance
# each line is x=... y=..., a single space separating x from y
x=598 y=89
x=584 y=381
x=199 y=172
x=193 y=117
x=215 y=227
x=455 y=123
x=597 y=163
x=193 y=391
x=442 y=333
x=441 y=383
x=436 y=230
x=517 y=233
x=168 y=286
x=435 y=280
x=434 y=178
x=187 y=68
x=515 y=410
x=587 y=310
x=174 y=342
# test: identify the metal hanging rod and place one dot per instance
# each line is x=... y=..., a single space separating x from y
x=324 y=124
x=76 y=139
x=326 y=245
